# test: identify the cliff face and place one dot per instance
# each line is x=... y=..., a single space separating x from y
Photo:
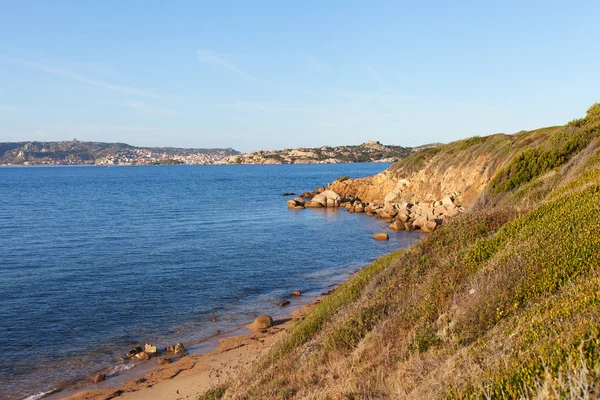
x=463 y=168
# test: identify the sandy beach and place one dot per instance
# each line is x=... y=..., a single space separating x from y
x=192 y=375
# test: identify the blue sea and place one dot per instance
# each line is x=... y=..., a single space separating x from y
x=95 y=260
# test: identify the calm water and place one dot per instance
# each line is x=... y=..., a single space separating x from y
x=94 y=260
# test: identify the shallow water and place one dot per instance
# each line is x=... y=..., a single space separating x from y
x=94 y=260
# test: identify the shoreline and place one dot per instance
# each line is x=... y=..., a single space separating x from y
x=196 y=372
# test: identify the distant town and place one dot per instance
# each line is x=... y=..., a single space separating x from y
x=75 y=152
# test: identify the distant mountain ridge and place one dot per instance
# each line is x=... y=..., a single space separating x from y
x=75 y=152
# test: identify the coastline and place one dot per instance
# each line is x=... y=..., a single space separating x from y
x=195 y=373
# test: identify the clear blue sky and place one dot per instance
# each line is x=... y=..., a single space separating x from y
x=282 y=74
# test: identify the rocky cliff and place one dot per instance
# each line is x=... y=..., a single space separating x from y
x=462 y=168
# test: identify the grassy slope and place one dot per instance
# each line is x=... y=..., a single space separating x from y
x=503 y=301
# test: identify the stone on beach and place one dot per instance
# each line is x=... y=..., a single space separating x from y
x=178 y=349
x=262 y=322
x=163 y=361
x=99 y=378
x=150 y=349
x=134 y=351
x=142 y=356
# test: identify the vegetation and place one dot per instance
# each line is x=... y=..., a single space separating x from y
x=501 y=302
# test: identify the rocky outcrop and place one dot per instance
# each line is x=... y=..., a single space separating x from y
x=423 y=215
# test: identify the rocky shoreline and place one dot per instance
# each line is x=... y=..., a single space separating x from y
x=401 y=216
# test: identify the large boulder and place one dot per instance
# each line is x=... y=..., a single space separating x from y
x=381 y=236
x=262 y=322
x=330 y=194
x=321 y=199
x=420 y=222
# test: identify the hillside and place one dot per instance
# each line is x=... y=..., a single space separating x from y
x=502 y=301
x=74 y=152
x=366 y=152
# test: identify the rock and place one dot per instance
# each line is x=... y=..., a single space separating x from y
x=296 y=293
x=307 y=195
x=429 y=226
x=390 y=197
x=283 y=303
x=178 y=349
x=142 y=356
x=312 y=204
x=299 y=200
x=134 y=351
x=330 y=194
x=288 y=194
x=447 y=201
x=291 y=204
x=419 y=222
x=397 y=226
x=262 y=322
x=148 y=348
x=321 y=199
x=320 y=189
x=369 y=213
x=381 y=236
x=439 y=210
x=452 y=212
x=163 y=361
x=402 y=217
x=99 y=378
x=381 y=213
x=359 y=208
x=332 y=203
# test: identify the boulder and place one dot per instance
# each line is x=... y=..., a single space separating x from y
x=397 y=226
x=262 y=322
x=381 y=236
x=390 y=197
x=369 y=213
x=134 y=351
x=142 y=356
x=321 y=199
x=307 y=195
x=429 y=226
x=330 y=194
x=178 y=349
x=420 y=222
x=402 y=217
x=359 y=208
x=288 y=194
x=448 y=200
x=296 y=293
x=320 y=189
x=150 y=349
x=299 y=200
x=332 y=203
x=312 y=204
x=291 y=203
x=439 y=210
x=452 y=212
x=99 y=378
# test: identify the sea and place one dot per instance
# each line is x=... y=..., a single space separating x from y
x=97 y=260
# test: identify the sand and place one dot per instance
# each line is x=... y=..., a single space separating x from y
x=193 y=375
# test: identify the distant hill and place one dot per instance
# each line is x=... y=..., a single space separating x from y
x=367 y=152
x=74 y=152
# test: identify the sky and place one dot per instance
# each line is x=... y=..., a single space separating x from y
x=280 y=74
